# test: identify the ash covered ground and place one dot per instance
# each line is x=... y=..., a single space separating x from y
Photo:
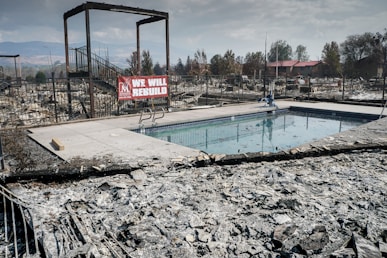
x=325 y=206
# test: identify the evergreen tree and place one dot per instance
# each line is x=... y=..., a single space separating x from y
x=146 y=63
x=157 y=70
x=40 y=77
x=216 y=63
x=132 y=61
x=61 y=74
x=30 y=78
x=188 y=66
x=179 y=68
x=331 y=58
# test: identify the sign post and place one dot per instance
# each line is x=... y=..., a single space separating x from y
x=142 y=87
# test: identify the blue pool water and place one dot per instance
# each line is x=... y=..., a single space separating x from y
x=254 y=133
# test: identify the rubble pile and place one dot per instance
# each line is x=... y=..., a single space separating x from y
x=34 y=105
x=309 y=207
x=331 y=205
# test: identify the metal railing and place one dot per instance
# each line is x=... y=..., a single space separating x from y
x=101 y=68
x=19 y=238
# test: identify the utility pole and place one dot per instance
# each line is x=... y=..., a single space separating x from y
x=2 y=164
x=380 y=42
x=264 y=71
x=276 y=60
x=384 y=69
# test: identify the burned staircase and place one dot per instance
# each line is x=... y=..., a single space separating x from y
x=103 y=73
x=94 y=72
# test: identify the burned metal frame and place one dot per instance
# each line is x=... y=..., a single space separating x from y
x=14 y=59
x=154 y=16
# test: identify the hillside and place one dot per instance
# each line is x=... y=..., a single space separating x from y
x=44 y=53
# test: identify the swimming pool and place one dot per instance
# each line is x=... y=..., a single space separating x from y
x=259 y=132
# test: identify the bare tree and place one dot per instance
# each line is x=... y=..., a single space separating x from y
x=253 y=62
x=229 y=62
x=200 y=62
x=354 y=49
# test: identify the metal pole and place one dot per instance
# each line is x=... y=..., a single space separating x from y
x=384 y=70
x=207 y=89
x=89 y=68
x=2 y=165
x=342 y=97
x=25 y=229
x=14 y=59
x=167 y=55
x=66 y=38
x=276 y=66
x=286 y=82
x=384 y=85
x=54 y=93
x=14 y=229
x=138 y=49
x=20 y=73
x=264 y=73
x=5 y=224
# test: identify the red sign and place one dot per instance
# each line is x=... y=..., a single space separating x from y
x=142 y=87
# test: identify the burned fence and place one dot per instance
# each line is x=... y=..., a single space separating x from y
x=61 y=100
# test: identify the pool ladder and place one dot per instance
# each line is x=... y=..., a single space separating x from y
x=152 y=114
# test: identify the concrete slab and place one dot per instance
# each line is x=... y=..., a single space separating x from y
x=107 y=143
x=112 y=139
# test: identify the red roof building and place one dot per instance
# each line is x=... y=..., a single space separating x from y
x=307 y=68
x=293 y=67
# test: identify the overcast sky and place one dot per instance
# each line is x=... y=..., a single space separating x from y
x=214 y=26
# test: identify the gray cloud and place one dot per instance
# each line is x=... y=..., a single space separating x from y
x=240 y=25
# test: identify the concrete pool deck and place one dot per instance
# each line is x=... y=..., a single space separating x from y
x=112 y=139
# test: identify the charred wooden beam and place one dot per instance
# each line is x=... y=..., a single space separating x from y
x=114 y=8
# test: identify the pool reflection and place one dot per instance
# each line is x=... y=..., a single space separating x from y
x=255 y=133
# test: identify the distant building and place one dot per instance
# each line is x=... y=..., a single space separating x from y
x=291 y=68
x=282 y=67
x=367 y=68
x=311 y=68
